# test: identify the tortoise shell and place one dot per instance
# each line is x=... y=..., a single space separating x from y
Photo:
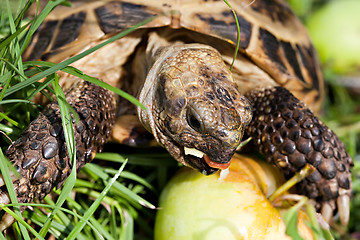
x=271 y=36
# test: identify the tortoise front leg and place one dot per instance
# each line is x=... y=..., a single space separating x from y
x=40 y=154
x=290 y=136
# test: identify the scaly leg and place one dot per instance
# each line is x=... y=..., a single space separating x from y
x=290 y=136
x=40 y=153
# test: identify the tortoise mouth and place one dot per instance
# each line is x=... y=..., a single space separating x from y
x=202 y=162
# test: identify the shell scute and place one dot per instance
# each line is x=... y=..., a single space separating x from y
x=271 y=48
x=275 y=9
x=224 y=26
x=69 y=29
x=117 y=16
x=290 y=54
x=308 y=55
x=43 y=39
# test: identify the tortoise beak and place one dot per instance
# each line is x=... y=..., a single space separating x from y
x=208 y=163
x=200 y=165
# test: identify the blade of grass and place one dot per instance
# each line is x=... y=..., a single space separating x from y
x=11 y=101
x=118 y=196
x=2 y=237
x=77 y=73
x=66 y=119
x=237 y=36
x=15 y=69
x=13 y=49
x=23 y=7
x=7 y=83
x=71 y=148
x=128 y=194
x=132 y=176
x=290 y=218
x=139 y=159
x=3 y=116
x=62 y=217
x=298 y=177
x=25 y=234
x=101 y=229
x=7 y=129
x=95 y=205
x=313 y=222
x=4 y=78
x=6 y=42
x=39 y=205
x=15 y=43
x=93 y=221
x=113 y=223
x=128 y=228
x=10 y=188
x=40 y=88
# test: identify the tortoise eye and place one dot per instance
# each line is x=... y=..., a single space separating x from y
x=194 y=120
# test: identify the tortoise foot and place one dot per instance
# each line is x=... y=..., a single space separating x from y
x=40 y=154
x=290 y=136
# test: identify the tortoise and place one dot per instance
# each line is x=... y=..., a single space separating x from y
x=178 y=66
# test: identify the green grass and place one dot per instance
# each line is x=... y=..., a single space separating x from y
x=114 y=197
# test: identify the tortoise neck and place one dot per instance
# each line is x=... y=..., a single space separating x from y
x=157 y=45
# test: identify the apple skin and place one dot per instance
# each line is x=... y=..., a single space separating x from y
x=194 y=206
x=335 y=32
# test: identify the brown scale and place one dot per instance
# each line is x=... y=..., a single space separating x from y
x=40 y=154
x=289 y=136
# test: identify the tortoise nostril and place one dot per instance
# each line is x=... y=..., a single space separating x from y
x=194 y=120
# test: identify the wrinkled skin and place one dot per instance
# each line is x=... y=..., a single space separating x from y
x=194 y=103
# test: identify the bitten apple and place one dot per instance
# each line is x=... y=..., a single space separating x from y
x=229 y=205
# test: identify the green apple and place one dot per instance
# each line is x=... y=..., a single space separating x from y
x=335 y=32
x=229 y=206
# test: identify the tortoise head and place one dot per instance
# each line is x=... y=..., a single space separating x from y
x=194 y=108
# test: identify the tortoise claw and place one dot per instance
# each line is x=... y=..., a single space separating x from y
x=327 y=211
x=343 y=205
x=12 y=176
x=4 y=198
x=6 y=221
